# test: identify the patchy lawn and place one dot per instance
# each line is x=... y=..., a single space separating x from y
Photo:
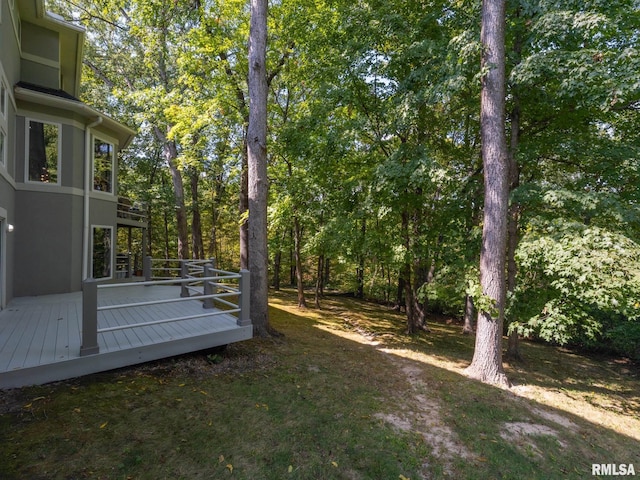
x=344 y=394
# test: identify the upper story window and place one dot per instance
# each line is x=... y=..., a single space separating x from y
x=3 y=147
x=4 y=105
x=103 y=165
x=44 y=152
x=4 y=99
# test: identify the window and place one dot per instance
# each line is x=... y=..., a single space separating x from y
x=43 y=140
x=103 y=156
x=4 y=105
x=4 y=99
x=101 y=248
x=3 y=147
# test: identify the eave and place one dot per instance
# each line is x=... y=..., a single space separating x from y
x=124 y=134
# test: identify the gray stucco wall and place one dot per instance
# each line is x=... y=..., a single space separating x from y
x=43 y=44
x=48 y=240
x=7 y=197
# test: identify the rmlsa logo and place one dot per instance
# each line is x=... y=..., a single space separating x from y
x=613 y=469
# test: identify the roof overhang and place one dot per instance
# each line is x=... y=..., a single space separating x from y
x=123 y=133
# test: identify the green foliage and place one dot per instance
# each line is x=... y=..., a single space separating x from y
x=578 y=280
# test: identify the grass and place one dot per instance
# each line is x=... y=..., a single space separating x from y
x=344 y=394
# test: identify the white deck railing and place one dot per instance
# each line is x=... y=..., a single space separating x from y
x=198 y=281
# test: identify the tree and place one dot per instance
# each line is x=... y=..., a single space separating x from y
x=487 y=358
x=257 y=171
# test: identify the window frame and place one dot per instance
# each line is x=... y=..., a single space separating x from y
x=27 y=152
x=93 y=252
x=98 y=138
x=4 y=118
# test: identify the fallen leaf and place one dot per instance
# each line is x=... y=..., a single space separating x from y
x=104 y=424
x=290 y=469
x=335 y=464
x=402 y=477
x=230 y=467
x=221 y=459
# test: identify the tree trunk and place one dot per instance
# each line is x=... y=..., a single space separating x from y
x=243 y=209
x=399 y=294
x=411 y=306
x=360 y=269
x=170 y=155
x=277 y=260
x=469 y=313
x=327 y=270
x=487 y=358
x=197 y=245
x=297 y=241
x=513 y=345
x=257 y=169
x=319 y=280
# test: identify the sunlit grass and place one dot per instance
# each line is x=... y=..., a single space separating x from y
x=344 y=394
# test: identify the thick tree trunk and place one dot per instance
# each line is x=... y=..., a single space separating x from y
x=297 y=241
x=243 y=209
x=257 y=171
x=487 y=358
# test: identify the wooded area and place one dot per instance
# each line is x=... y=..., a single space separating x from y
x=375 y=160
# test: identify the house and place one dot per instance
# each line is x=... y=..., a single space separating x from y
x=68 y=302
x=58 y=170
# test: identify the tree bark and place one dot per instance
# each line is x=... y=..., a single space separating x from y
x=243 y=209
x=297 y=241
x=257 y=169
x=487 y=358
x=319 y=280
x=277 y=261
x=197 y=244
x=170 y=154
x=360 y=269
x=469 y=313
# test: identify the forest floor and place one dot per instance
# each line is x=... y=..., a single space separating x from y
x=343 y=394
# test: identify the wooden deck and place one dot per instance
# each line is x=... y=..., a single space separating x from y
x=40 y=337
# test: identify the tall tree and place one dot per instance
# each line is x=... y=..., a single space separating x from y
x=487 y=358
x=257 y=171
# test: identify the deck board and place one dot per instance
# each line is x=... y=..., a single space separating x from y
x=40 y=337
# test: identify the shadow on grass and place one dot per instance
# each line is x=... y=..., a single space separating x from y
x=343 y=395
x=594 y=399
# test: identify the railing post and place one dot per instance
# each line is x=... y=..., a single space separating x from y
x=209 y=289
x=146 y=267
x=89 y=344
x=244 y=317
x=184 y=273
